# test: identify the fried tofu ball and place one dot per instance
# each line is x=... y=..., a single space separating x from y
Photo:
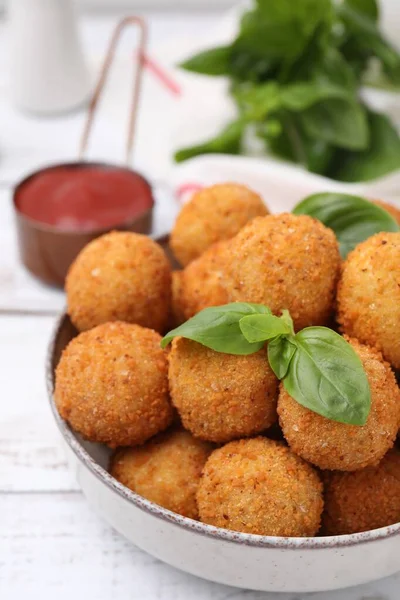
x=286 y=262
x=369 y=295
x=120 y=276
x=166 y=470
x=220 y=397
x=260 y=486
x=390 y=208
x=202 y=283
x=213 y=214
x=365 y=500
x=339 y=446
x=112 y=384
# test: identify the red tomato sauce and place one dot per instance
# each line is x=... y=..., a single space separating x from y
x=84 y=198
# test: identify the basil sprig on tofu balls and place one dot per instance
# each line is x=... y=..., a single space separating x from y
x=317 y=366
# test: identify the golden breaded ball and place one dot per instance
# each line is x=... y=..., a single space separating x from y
x=390 y=208
x=166 y=470
x=213 y=214
x=286 y=262
x=369 y=295
x=120 y=276
x=260 y=486
x=368 y=499
x=202 y=283
x=220 y=397
x=338 y=446
x=112 y=384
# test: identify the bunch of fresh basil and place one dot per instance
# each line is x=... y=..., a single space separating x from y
x=295 y=69
x=319 y=369
x=353 y=219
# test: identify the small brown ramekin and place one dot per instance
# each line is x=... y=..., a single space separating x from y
x=47 y=251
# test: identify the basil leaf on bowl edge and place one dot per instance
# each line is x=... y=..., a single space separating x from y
x=353 y=219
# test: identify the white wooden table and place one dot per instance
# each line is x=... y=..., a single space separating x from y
x=51 y=544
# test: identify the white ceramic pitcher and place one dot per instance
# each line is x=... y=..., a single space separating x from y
x=48 y=71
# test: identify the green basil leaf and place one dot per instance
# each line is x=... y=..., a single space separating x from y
x=280 y=353
x=258 y=101
x=341 y=122
x=333 y=69
x=353 y=219
x=305 y=12
x=292 y=143
x=286 y=318
x=327 y=376
x=248 y=66
x=218 y=328
x=304 y=64
x=368 y=37
x=269 y=129
x=281 y=30
x=309 y=59
x=368 y=7
x=259 y=328
x=300 y=96
x=262 y=37
x=381 y=158
x=319 y=154
x=210 y=62
x=375 y=77
x=227 y=142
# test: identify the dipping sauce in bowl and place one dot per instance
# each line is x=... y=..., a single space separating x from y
x=83 y=199
x=61 y=208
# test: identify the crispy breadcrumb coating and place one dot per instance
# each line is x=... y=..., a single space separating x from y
x=338 y=446
x=286 y=262
x=120 y=277
x=369 y=295
x=213 y=214
x=166 y=470
x=365 y=500
x=219 y=396
x=112 y=385
x=260 y=486
x=202 y=283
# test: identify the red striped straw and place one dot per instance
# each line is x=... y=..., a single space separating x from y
x=161 y=74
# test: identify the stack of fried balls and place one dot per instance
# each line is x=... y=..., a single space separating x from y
x=213 y=436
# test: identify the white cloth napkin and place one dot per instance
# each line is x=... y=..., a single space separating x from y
x=282 y=185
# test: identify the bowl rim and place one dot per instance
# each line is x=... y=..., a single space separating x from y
x=217 y=533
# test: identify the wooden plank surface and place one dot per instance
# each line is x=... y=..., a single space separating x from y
x=31 y=455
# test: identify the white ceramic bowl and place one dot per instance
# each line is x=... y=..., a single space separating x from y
x=242 y=560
